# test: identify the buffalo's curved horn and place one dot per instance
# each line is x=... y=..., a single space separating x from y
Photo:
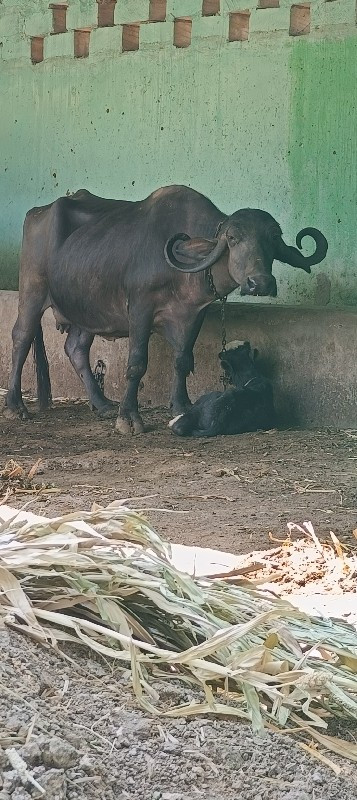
x=196 y=254
x=292 y=256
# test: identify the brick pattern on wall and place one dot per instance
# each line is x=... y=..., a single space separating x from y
x=59 y=16
x=111 y=25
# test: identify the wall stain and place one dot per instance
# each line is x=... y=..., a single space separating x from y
x=323 y=153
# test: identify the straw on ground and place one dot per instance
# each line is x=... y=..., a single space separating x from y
x=104 y=578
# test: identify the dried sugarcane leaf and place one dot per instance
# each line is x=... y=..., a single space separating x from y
x=105 y=579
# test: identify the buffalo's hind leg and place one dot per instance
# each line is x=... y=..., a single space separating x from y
x=26 y=328
x=77 y=348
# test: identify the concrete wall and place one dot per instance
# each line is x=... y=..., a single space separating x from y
x=268 y=122
x=304 y=351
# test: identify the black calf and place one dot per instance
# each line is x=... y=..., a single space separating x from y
x=247 y=406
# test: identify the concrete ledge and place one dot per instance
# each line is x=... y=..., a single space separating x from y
x=309 y=354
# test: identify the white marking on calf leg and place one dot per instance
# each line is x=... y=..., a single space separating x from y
x=172 y=421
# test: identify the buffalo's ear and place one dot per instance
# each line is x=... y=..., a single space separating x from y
x=292 y=255
x=193 y=255
x=195 y=249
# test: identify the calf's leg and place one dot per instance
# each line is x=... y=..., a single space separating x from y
x=77 y=347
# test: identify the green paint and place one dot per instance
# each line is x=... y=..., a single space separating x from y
x=225 y=118
x=323 y=152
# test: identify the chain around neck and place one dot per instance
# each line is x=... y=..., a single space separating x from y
x=213 y=289
x=222 y=299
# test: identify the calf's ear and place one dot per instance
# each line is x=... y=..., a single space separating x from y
x=226 y=362
x=255 y=354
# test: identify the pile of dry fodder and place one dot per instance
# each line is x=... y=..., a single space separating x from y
x=17 y=480
x=105 y=578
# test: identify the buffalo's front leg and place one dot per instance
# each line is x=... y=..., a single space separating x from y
x=129 y=419
x=183 y=337
x=77 y=348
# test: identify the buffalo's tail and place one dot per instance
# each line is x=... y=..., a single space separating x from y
x=44 y=395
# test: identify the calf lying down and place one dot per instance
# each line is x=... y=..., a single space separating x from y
x=247 y=406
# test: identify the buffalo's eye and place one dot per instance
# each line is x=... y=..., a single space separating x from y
x=232 y=239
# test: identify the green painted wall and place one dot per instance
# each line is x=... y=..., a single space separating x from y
x=270 y=122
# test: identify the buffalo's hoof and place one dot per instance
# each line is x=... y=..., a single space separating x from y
x=25 y=415
x=9 y=413
x=19 y=413
x=137 y=425
x=109 y=411
x=125 y=425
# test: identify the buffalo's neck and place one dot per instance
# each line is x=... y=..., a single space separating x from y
x=222 y=280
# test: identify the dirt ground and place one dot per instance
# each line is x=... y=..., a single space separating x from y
x=77 y=725
x=231 y=491
x=89 y=740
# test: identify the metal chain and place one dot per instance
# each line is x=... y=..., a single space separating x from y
x=222 y=299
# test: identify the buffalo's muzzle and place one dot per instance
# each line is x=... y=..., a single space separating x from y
x=260 y=285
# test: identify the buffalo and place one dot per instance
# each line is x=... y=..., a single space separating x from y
x=118 y=269
x=247 y=406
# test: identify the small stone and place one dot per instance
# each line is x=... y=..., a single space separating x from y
x=317 y=777
x=31 y=753
x=74 y=739
x=13 y=724
x=172 y=796
x=20 y=794
x=60 y=754
x=123 y=743
x=38 y=771
x=5 y=796
x=55 y=785
x=86 y=764
x=171 y=747
x=10 y=780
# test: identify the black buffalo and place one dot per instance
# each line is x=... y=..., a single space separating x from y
x=247 y=406
x=104 y=268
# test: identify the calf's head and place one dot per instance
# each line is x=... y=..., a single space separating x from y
x=246 y=244
x=238 y=362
